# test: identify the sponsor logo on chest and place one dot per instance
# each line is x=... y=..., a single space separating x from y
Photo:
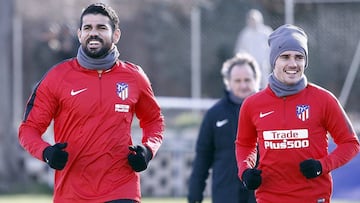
x=286 y=139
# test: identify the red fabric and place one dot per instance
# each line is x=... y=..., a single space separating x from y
x=287 y=138
x=94 y=118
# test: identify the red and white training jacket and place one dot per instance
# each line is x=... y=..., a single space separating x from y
x=288 y=131
x=93 y=113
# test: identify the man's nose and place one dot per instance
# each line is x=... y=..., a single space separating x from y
x=93 y=32
x=292 y=61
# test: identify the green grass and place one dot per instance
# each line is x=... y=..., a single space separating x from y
x=47 y=199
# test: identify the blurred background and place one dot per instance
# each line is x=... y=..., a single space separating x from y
x=181 y=45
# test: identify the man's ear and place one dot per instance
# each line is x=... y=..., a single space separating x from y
x=79 y=35
x=116 y=36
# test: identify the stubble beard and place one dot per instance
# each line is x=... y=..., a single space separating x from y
x=96 y=53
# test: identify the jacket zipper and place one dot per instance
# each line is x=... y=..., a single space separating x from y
x=100 y=86
x=284 y=120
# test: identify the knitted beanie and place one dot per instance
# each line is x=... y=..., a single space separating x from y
x=287 y=38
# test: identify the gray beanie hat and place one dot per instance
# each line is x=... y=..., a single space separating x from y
x=287 y=38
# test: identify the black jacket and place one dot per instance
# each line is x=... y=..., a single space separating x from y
x=215 y=149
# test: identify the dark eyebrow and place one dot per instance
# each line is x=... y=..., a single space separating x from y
x=97 y=25
x=296 y=55
x=284 y=55
x=103 y=25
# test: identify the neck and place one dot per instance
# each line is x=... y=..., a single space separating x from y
x=281 y=90
x=235 y=99
x=103 y=63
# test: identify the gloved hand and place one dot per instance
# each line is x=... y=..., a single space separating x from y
x=311 y=168
x=251 y=178
x=139 y=157
x=55 y=156
x=192 y=198
x=194 y=201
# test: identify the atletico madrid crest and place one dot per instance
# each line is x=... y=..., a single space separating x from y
x=302 y=112
x=122 y=90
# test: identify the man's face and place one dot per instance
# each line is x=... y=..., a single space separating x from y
x=242 y=81
x=96 y=35
x=289 y=67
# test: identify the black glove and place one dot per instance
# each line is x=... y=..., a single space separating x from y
x=192 y=198
x=139 y=157
x=251 y=178
x=194 y=201
x=311 y=168
x=55 y=156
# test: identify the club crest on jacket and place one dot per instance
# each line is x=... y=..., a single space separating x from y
x=122 y=90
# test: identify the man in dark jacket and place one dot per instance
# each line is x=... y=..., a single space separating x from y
x=215 y=148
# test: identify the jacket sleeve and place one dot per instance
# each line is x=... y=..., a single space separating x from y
x=39 y=112
x=203 y=160
x=340 y=128
x=149 y=114
x=245 y=143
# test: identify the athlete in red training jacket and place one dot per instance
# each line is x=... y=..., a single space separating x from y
x=92 y=99
x=291 y=120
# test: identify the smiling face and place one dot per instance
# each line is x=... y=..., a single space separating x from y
x=289 y=67
x=96 y=35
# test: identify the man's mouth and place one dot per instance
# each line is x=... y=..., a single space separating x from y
x=291 y=71
x=94 y=44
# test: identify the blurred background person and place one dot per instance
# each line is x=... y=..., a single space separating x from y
x=253 y=40
x=215 y=146
x=68 y=42
x=56 y=43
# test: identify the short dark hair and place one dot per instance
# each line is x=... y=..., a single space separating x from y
x=100 y=8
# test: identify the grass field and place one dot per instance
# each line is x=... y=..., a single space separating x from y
x=47 y=199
